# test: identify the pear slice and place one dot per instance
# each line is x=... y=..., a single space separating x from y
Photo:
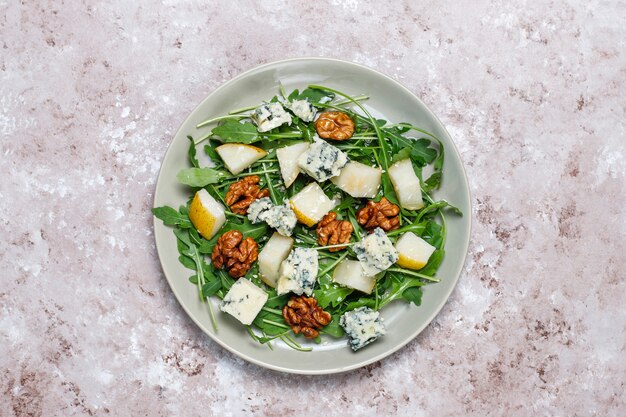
x=358 y=180
x=274 y=252
x=414 y=251
x=311 y=204
x=288 y=161
x=406 y=184
x=206 y=214
x=350 y=274
x=239 y=156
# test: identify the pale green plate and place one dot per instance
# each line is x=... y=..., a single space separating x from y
x=390 y=101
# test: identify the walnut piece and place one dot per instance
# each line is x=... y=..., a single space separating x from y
x=334 y=125
x=243 y=192
x=331 y=231
x=234 y=253
x=383 y=214
x=304 y=316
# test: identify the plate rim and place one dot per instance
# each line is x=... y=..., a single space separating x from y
x=364 y=362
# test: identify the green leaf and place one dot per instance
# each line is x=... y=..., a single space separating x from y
x=211 y=288
x=270 y=323
x=187 y=262
x=388 y=190
x=413 y=295
x=331 y=295
x=294 y=95
x=438 y=205
x=433 y=263
x=171 y=217
x=333 y=328
x=191 y=153
x=399 y=284
x=233 y=131
x=315 y=96
x=199 y=177
x=403 y=153
x=433 y=182
x=209 y=149
x=421 y=153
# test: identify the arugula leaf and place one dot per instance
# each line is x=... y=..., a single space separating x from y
x=333 y=328
x=403 y=153
x=329 y=293
x=187 y=262
x=433 y=182
x=171 y=217
x=211 y=288
x=438 y=205
x=199 y=177
x=433 y=263
x=413 y=295
x=270 y=323
x=233 y=131
x=209 y=149
x=388 y=191
x=191 y=153
x=420 y=151
x=294 y=95
x=315 y=95
x=399 y=284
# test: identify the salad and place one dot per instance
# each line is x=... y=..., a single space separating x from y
x=311 y=217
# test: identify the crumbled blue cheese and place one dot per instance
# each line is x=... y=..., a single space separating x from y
x=282 y=218
x=362 y=325
x=243 y=301
x=303 y=109
x=269 y=116
x=322 y=160
x=258 y=208
x=298 y=273
x=375 y=252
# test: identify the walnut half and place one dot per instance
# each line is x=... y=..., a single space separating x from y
x=383 y=214
x=331 y=231
x=243 y=192
x=305 y=316
x=334 y=125
x=234 y=253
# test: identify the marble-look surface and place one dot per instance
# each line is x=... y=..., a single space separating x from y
x=533 y=94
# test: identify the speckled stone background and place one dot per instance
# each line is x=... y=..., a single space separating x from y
x=533 y=94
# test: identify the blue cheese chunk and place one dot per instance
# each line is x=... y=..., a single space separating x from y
x=282 y=218
x=243 y=301
x=269 y=116
x=375 y=252
x=258 y=208
x=322 y=160
x=303 y=109
x=298 y=273
x=362 y=325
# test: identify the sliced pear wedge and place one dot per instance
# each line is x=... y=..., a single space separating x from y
x=414 y=251
x=350 y=274
x=288 y=161
x=239 y=156
x=311 y=204
x=358 y=180
x=274 y=252
x=206 y=214
x=406 y=184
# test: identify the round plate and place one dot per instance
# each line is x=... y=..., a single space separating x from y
x=389 y=100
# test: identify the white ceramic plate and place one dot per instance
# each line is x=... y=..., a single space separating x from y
x=389 y=100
